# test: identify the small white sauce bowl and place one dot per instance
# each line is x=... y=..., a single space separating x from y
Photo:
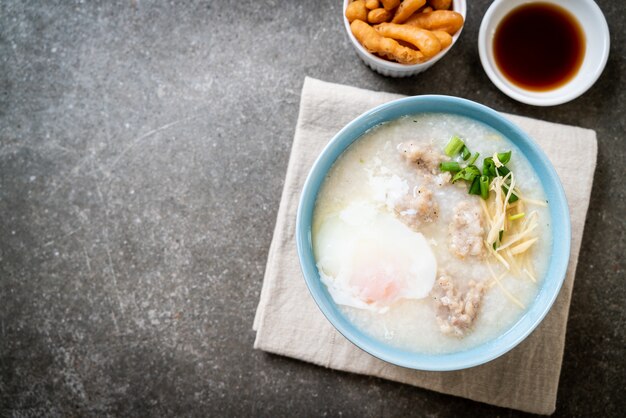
x=395 y=69
x=597 y=42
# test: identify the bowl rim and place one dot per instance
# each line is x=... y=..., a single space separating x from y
x=390 y=65
x=535 y=97
x=560 y=249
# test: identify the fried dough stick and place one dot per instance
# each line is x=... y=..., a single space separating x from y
x=445 y=20
x=440 y=4
x=422 y=39
x=406 y=9
x=444 y=37
x=378 y=16
x=390 y=4
x=376 y=43
x=356 y=10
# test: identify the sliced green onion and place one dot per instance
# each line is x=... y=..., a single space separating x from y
x=517 y=216
x=502 y=171
x=484 y=187
x=465 y=153
x=455 y=145
x=473 y=159
x=504 y=157
x=467 y=173
x=475 y=187
x=513 y=197
x=489 y=167
x=450 y=166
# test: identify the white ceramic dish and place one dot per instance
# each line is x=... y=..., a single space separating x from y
x=597 y=42
x=394 y=69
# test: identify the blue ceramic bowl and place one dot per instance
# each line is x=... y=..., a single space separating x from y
x=558 y=211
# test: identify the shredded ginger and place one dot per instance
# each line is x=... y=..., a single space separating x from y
x=509 y=240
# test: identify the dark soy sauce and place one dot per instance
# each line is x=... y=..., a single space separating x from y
x=539 y=46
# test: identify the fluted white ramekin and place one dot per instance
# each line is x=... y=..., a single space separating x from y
x=394 y=69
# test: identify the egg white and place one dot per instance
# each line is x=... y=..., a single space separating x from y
x=368 y=259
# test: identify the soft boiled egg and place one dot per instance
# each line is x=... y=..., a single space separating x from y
x=369 y=259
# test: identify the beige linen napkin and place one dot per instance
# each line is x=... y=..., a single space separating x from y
x=289 y=323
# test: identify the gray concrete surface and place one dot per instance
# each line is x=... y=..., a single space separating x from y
x=142 y=154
